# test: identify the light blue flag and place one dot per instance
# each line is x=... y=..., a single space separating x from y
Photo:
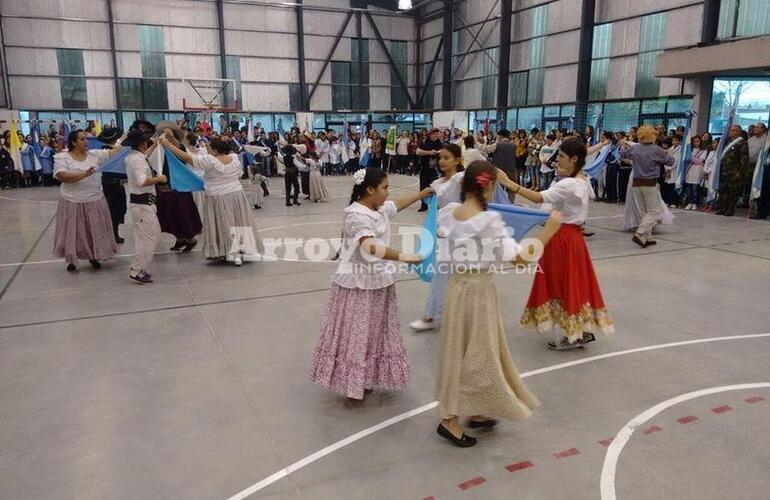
x=94 y=143
x=686 y=158
x=427 y=246
x=598 y=129
x=364 y=161
x=65 y=129
x=183 y=179
x=594 y=170
x=116 y=164
x=519 y=219
x=713 y=187
x=501 y=195
x=759 y=171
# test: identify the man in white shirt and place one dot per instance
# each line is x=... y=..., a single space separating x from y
x=402 y=152
x=141 y=188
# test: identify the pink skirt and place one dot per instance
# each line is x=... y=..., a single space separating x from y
x=359 y=345
x=84 y=231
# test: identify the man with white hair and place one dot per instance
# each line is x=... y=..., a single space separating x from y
x=757 y=143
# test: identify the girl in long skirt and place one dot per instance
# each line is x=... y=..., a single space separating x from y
x=477 y=377
x=447 y=189
x=566 y=292
x=83 y=223
x=318 y=191
x=359 y=343
x=225 y=205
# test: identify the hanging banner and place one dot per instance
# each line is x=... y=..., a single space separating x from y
x=390 y=144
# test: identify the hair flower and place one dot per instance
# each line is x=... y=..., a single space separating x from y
x=483 y=179
x=359 y=176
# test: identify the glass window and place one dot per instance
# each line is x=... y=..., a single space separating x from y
x=654 y=106
x=398 y=99
x=739 y=18
x=680 y=105
x=529 y=118
x=73 y=92
x=233 y=73
x=568 y=110
x=155 y=93
x=600 y=72
x=750 y=97
x=510 y=119
x=517 y=88
x=359 y=51
x=652 y=37
x=70 y=62
x=294 y=97
x=264 y=120
x=646 y=83
x=130 y=90
x=489 y=82
x=551 y=111
x=535 y=86
x=341 y=89
x=620 y=115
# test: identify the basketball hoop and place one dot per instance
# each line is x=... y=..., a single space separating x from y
x=207 y=96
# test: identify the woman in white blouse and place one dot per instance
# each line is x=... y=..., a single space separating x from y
x=83 y=223
x=229 y=228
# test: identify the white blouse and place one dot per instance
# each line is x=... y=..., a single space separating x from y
x=478 y=243
x=219 y=178
x=472 y=154
x=695 y=173
x=88 y=189
x=357 y=269
x=138 y=171
x=570 y=197
x=448 y=190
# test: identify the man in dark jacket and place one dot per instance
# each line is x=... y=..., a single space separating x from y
x=733 y=172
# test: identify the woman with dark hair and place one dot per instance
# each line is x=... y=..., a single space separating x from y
x=225 y=205
x=477 y=377
x=359 y=344
x=566 y=292
x=177 y=212
x=83 y=223
x=521 y=143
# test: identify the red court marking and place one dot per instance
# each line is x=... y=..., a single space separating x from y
x=471 y=483
x=567 y=453
x=721 y=409
x=754 y=399
x=652 y=429
x=687 y=420
x=519 y=466
x=606 y=442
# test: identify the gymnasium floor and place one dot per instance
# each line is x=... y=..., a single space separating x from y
x=197 y=387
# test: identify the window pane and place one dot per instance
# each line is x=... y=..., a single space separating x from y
x=341 y=85
x=652 y=35
x=155 y=93
x=568 y=110
x=680 y=105
x=73 y=92
x=753 y=18
x=620 y=115
x=283 y=122
x=750 y=97
x=540 y=20
x=130 y=90
x=654 y=106
x=294 y=97
x=529 y=118
x=647 y=84
x=233 y=64
x=535 y=90
x=517 y=89
x=602 y=41
x=510 y=119
x=600 y=72
x=398 y=99
x=151 y=38
x=489 y=83
x=263 y=121
x=70 y=62
x=551 y=111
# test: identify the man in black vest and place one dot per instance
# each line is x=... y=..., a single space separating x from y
x=504 y=156
x=428 y=153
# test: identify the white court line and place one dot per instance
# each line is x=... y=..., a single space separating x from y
x=607 y=482
x=30 y=201
x=422 y=409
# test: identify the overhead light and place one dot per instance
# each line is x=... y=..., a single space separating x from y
x=404 y=4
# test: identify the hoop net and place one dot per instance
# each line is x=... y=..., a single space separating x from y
x=210 y=95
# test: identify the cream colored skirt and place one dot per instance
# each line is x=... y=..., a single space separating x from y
x=477 y=375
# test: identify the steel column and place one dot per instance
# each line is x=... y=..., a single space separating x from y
x=304 y=104
x=504 y=68
x=446 y=38
x=113 y=54
x=222 y=47
x=384 y=48
x=359 y=63
x=583 y=87
x=710 y=26
x=418 y=67
x=331 y=54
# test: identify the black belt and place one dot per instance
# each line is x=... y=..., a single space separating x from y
x=142 y=199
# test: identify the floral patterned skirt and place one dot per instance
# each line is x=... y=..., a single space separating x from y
x=566 y=292
x=359 y=343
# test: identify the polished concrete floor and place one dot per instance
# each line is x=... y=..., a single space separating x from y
x=197 y=387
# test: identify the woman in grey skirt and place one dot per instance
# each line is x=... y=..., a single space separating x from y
x=229 y=228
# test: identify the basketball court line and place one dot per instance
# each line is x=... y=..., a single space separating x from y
x=290 y=469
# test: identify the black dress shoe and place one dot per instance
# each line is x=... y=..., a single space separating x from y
x=190 y=245
x=425 y=209
x=257 y=206
x=178 y=245
x=288 y=203
x=119 y=240
x=296 y=202
x=463 y=442
x=72 y=268
x=482 y=424
x=95 y=263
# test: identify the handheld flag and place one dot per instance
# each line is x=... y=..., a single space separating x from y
x=116 y=164
x=595 y=168
x=519 y=219
x=686 y=157
x=183 y=179
x=427 y=246
x=598 y=124
x=15 y=146
x=501 y=195
x=390 y=144
x=759 y=170
x=713 y=184
x=36 y=149
x=94 y=143
x=250 y=132
x=97 y=127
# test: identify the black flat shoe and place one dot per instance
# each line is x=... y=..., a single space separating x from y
x=288 y=203
x=119 y=240
x=465 y=441
x=178 y=245
x=481 y=424
x=257 y=206
x=95 y=264
x=190 y=245
x=72 y=268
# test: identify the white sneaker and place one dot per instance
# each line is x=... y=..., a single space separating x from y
x=238 y=260
x=420 y=325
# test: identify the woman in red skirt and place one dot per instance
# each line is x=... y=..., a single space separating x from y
x=566 y=293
